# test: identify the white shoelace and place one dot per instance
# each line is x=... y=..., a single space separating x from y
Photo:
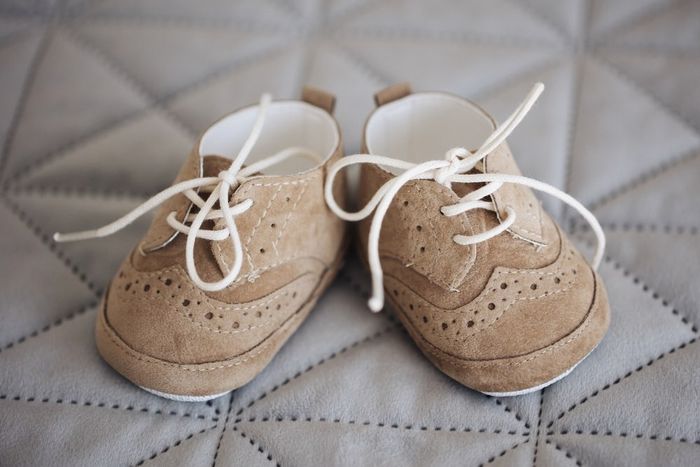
x=453 y=169
x=219 y=188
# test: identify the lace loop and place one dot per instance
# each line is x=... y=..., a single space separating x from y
x=453 y=168
x=219 y=190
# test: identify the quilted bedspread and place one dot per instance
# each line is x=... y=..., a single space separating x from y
x=100 y=101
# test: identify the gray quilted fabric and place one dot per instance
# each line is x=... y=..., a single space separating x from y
x=100 y=101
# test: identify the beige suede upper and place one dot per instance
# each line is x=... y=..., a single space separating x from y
x=503 y=315
x=161 y=331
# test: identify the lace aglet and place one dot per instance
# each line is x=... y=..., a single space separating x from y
x=74 y=237
x=376 y=304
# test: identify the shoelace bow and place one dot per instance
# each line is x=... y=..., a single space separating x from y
x=219 y=189
x=453 y=169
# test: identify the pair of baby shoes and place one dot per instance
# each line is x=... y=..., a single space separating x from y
x=253 y=230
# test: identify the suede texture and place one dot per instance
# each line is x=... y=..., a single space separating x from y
x=504 y=315
x=162 y=332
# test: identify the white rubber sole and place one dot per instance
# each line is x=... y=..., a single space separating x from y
x=540 y=386
x=180 y=398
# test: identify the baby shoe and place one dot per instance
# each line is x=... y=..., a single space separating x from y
x=486 y=283
x=236 y=256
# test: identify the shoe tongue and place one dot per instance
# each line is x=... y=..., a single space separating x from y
x=164 y=250
x=212 y=165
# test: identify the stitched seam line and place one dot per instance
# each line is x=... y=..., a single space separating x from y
x=625 y=434
x=46 y=240
x=394 y=425
x=482 y=297
x=252 y=442
x=323 y=360
x=289 y=215
x=538 y=354
x=503 y=312
x=386 y=251
x=159 y=104
x=106 y=405
x=517 y=416
x=539 y=425
x=48 y=327
x=21 y=103
x=566 y=453
x=645 y=288
x=223 y=430
x=617 y=381
x=492 y=459
x=175 y=444
x=260 y=219
x=644 y=178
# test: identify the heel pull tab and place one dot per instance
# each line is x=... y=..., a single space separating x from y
x=392 y=93
x=318 y=98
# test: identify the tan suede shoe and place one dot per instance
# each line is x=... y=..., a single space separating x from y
x=487 y=285
x=235 y=258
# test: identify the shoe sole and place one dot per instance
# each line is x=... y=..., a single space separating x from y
x=108 y=340
x=522 y=392
x=179 y=398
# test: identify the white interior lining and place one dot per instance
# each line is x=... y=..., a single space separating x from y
x=287 y=124
x=424 y=126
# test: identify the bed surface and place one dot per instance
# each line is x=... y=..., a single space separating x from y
x=91 y=90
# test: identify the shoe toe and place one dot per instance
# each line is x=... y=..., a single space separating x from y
x=166 y=335
x=523 y=331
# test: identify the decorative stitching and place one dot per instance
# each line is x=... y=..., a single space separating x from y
x=223 y=431
x=108 y=405
x=260 y=219
x=492 y=459
x=139 y=88
x=46 y=240
x=56 y=323
x=158 y=104
x=189 y=367
x=394 y=425
x=543 y=18
x=254 y=274
x=298 y=374
x=385 y=249
x=363 y=66
x=252 y=442
x=654 y=9
x=539 y=425
x=613 y=30
x=504 y=310
x=459 y=36
x=617 y=381
x=566 y=453
x=206 y=300
x=654 y=295
x=21 y=104
x=645 y=227
x=289 y=215
x=644 y=178
x=512 y=363
x=515 y=413
x=176 y=444
x=649 y=48
x=77 y=192
x=469 y=308
x=624 y=434
x=246 y=24
x=575 y=106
